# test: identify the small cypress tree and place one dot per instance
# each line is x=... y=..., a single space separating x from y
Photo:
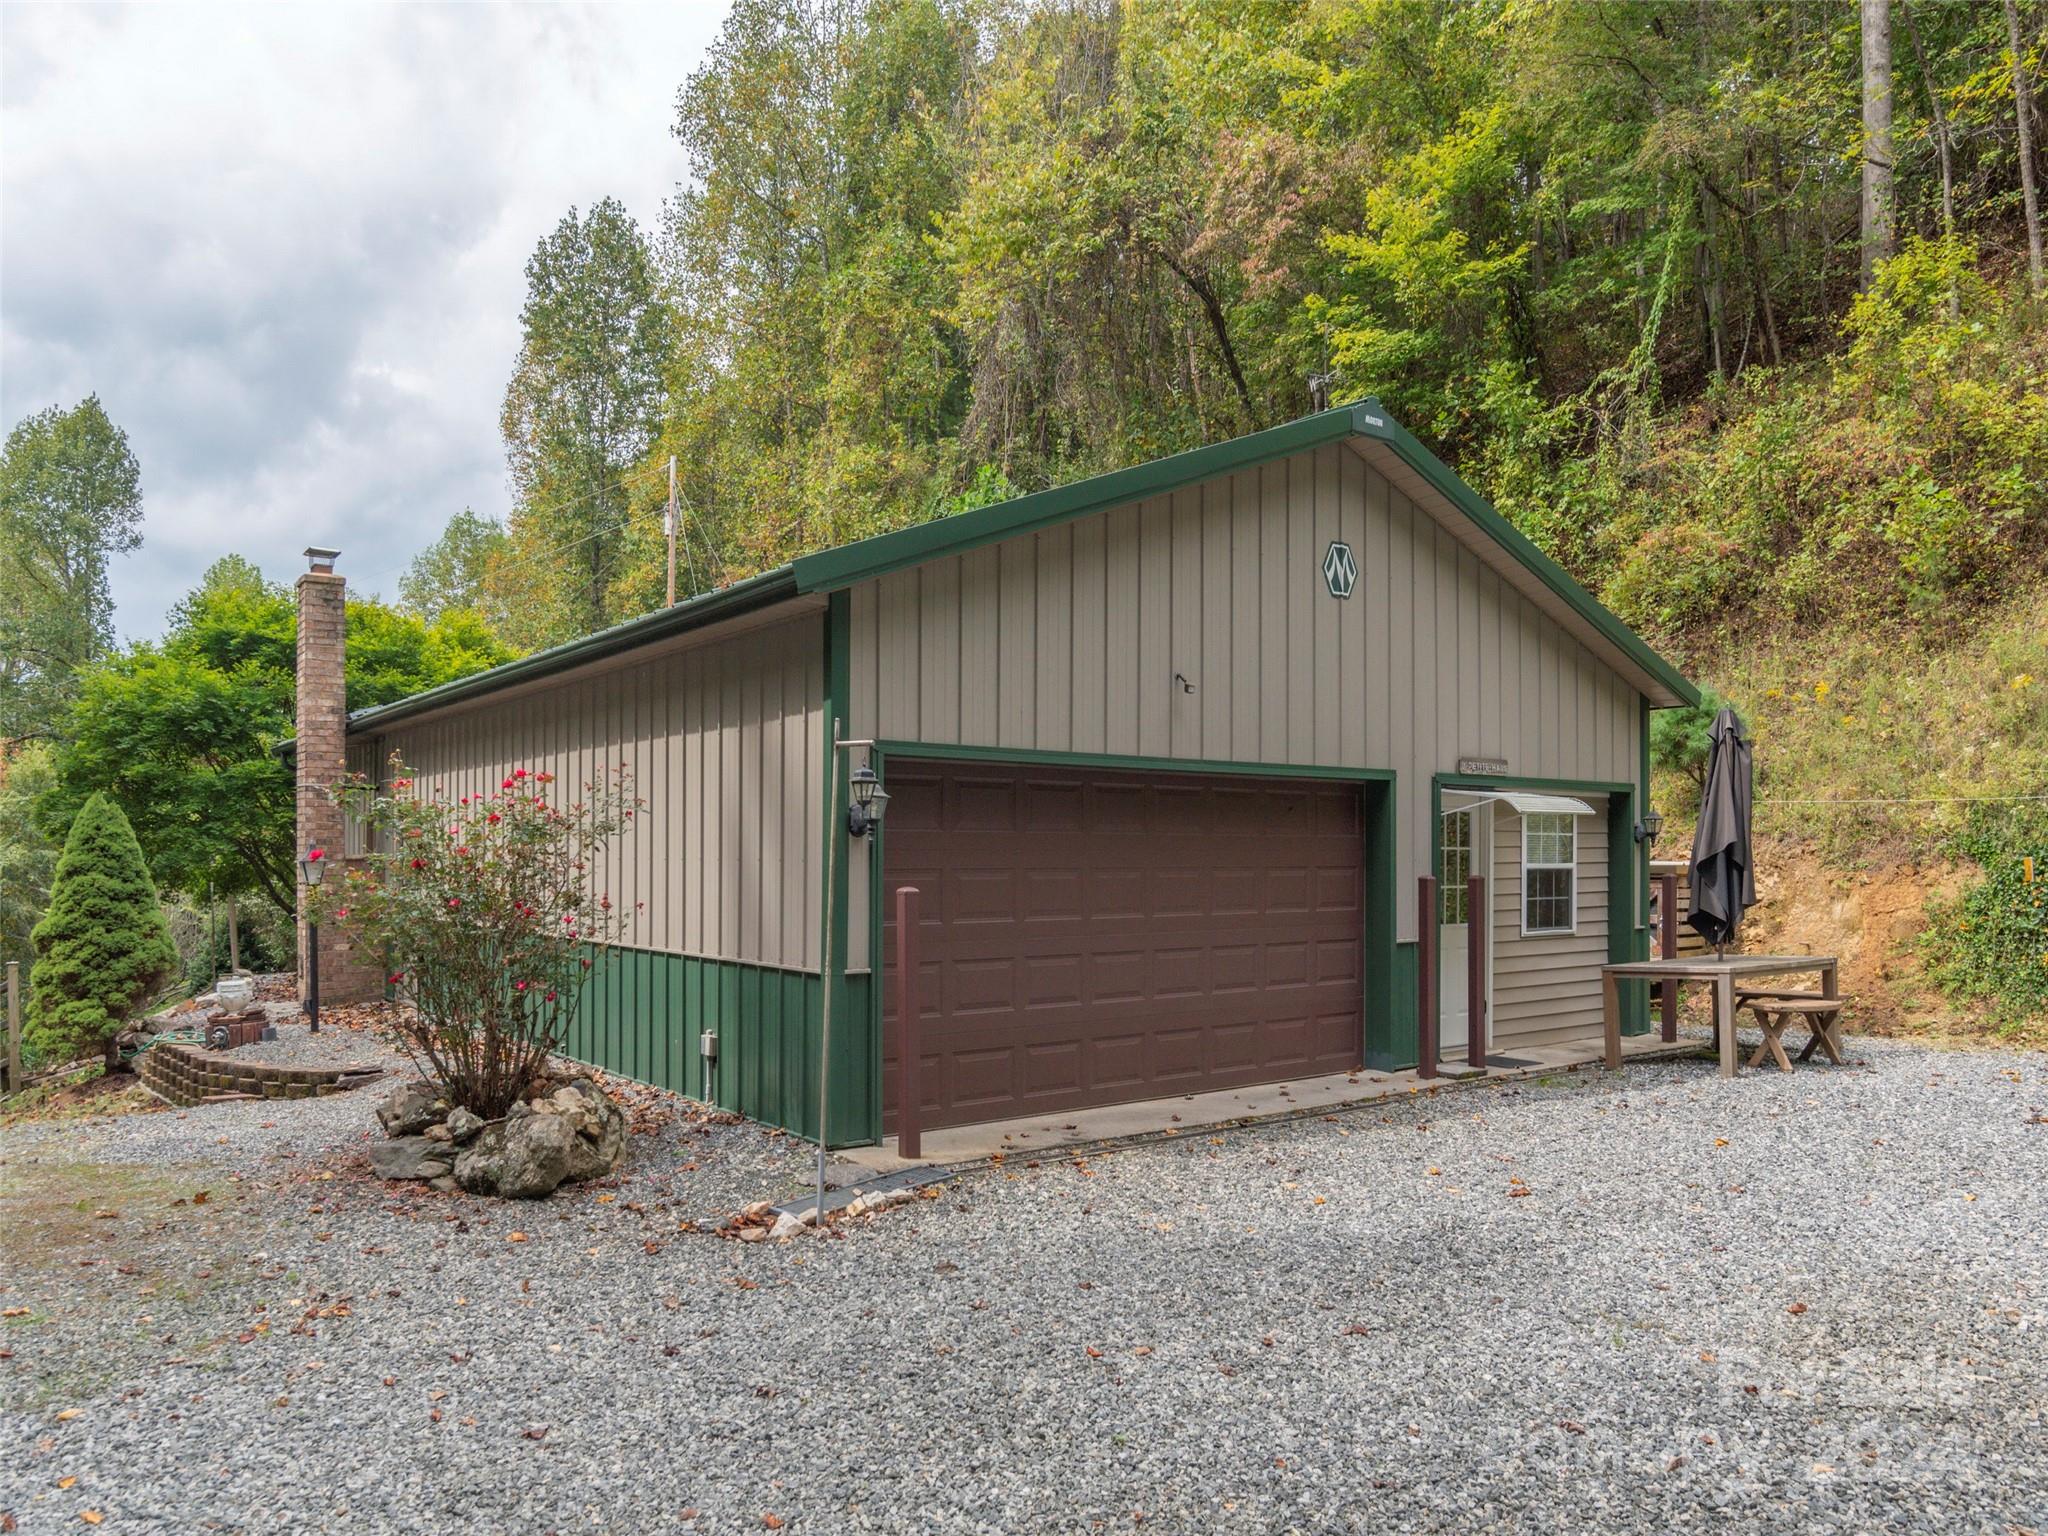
x=103 y=949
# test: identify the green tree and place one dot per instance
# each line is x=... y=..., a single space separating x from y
x=104 y=948
x=581 y=409
x=70 y=500
x=182 y=733
x=455 y=571
x=28 y=857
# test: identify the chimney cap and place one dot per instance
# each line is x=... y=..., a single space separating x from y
x=322 y=559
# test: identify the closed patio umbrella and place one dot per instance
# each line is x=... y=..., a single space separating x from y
x=1723 y=880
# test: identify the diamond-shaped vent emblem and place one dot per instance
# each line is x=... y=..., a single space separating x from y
x=1340 y=570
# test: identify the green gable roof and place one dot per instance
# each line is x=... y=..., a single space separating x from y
x=849 y=564
x=833 y=569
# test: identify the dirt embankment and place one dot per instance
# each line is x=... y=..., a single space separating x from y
x=1872 y=919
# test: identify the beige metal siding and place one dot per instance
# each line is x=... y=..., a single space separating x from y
x=1069 y=641
x=724 y=741
x=1547 y=988
x=362 y=758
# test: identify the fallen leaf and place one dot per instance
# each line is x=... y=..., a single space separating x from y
x=772 y=1522
x=202 y=1197
x=515 y=1237
x=1094 y=1353
x=68 y=1415
x=538 y=1432
x=91 y=1516
x=67 y=1482
x=1797 y=1308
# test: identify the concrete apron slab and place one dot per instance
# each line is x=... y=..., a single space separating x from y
x=959 y=1146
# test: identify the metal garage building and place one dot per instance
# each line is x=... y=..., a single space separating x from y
x=1165 y=750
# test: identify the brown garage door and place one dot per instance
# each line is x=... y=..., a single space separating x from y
x=1092 y=938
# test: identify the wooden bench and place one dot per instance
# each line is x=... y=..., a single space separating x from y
x=1775 y=1012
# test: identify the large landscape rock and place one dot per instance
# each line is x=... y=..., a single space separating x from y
x=412 y=1157
x=522 y=1157
x=600 y=1127
x=410 y=1108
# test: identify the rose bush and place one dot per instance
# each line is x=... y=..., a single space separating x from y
x=489 y=913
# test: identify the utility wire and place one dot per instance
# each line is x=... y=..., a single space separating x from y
x=1904 y=800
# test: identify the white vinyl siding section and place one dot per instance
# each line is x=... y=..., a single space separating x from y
x=725 y=742
x=1546 y=987
x=1069 y=640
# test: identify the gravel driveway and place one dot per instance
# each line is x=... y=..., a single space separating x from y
x=1644 y=1302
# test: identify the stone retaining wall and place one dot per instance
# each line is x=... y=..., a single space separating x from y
x=185 y=1075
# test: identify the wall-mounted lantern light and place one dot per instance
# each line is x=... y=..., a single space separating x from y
x=1649 y=827
x=869 y=800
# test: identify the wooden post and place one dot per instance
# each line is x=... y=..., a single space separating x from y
x=14 y=1026
x=1475 y=973
x=1667 y=949
x=1425 y=976
x=908 y=1043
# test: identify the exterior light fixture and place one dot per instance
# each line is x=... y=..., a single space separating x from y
x=869 y=800
x=311 y=868
x=1649 y=827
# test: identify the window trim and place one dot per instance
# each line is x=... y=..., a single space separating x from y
x=1570 y=867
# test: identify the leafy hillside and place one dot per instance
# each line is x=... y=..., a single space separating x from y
x=1741 y=327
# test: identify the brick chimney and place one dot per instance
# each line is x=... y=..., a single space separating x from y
x=322 y=760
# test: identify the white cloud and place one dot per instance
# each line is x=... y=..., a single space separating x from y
x=286 y=246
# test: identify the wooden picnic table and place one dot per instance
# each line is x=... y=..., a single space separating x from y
x=1721 y=974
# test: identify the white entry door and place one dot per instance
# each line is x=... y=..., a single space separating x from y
x=1466 y=835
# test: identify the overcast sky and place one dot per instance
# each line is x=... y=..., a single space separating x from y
x=286 y=246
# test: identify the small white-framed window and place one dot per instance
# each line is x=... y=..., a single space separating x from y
x=1550 y=852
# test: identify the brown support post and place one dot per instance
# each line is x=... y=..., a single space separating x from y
x=908 y=1045
x=1475 y=972
x=1425 y=975
x=1667 y=949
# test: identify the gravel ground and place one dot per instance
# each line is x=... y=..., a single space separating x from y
x=1649 y=1302
x=296 y=1045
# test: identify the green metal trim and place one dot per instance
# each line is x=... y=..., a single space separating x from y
x=854 y=1121
x=1643 y=849
x=728 y=602
x=868 y=558
x=1375 y=423
x=1027 y=756
x=1471 y=783
x=1622 y=937
x=1398 y=1050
